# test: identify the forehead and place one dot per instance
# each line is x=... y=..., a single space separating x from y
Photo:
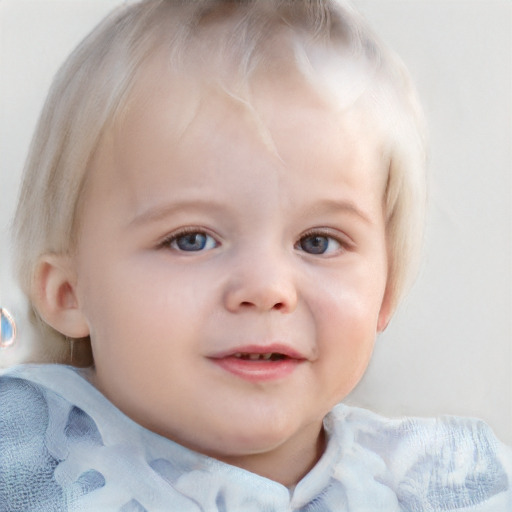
x=287 y=76
x=281 y=106
x=271 y=107
x=238 y=50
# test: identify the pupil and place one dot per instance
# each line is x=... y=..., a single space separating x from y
x=191 y=242
x=314 y=244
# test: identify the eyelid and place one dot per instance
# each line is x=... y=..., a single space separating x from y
x=166 y=241
x=343 y=239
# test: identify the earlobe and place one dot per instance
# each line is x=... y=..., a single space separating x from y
x=383 y=322
x=385 y=313
x=54 y=296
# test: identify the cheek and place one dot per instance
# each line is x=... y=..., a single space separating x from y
x=348 y=297
x=143 y=302
x=348 y=325
x=346 y=313
x=346 y=335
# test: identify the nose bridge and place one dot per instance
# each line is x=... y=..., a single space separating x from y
x=262 y=279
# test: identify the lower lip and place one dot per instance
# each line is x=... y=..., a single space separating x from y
x=258 y=371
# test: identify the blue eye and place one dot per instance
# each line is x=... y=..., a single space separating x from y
x=319 y=244
x=193 y=241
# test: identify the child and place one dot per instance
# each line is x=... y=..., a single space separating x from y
x=224 y=201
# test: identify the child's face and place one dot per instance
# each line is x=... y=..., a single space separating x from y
x=218 y=238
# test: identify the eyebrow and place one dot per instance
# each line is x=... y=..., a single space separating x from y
x=336 y=205
x=160 y=212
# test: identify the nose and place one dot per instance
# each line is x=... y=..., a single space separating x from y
x=263 y=284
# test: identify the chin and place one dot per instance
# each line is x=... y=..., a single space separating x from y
x=267 y=437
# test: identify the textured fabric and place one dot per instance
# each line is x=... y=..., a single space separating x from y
x=63 y=446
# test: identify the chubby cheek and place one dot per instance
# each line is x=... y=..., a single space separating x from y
x=346 y=316
x=135 y=338
x=143 y=313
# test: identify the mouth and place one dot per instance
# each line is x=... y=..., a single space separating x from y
x=257 y=364
x=268 y=356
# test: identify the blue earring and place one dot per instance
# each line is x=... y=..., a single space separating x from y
x=7 y=329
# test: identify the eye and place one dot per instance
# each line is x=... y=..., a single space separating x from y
x=319 y=244
x=191 y=241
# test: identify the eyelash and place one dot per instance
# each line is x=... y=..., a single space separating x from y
x=342 y=243
x=171 y=239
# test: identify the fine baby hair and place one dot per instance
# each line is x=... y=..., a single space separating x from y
x=225 y=45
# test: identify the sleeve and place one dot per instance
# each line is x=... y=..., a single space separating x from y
x=26 y=467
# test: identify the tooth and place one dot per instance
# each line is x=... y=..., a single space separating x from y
x=254 y=357
x=266 y=357
x=238 y=355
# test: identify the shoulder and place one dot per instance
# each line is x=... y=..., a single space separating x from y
x=23 y=419
x=26 y=465
x=38 y=406
x=445 y=463
x=36 y=429
x=26 y=402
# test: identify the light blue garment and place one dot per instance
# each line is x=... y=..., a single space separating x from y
x=63 y=446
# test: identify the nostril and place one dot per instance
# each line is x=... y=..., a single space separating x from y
x=259 y=294
x=278 y=306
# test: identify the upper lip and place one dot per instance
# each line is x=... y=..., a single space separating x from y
x=274 y=348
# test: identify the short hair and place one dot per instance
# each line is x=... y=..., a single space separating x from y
x=93 y=87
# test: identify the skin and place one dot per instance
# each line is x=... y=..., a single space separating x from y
x=261 y=186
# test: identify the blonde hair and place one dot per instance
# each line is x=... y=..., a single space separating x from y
x=93 y=87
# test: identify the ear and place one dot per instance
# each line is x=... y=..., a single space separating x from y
x=54 y=296
x=386 y=311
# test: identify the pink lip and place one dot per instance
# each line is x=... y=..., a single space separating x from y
x=259 y=370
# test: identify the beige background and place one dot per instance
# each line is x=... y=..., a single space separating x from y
x=449 y=349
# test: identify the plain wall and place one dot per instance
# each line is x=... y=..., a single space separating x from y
x=449 y=348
